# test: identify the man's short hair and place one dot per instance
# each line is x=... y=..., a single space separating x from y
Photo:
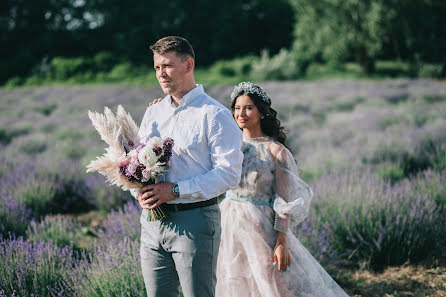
x=181 y=46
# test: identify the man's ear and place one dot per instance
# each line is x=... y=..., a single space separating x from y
x=190 y=64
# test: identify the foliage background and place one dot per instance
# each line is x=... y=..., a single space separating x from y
x=57 y=40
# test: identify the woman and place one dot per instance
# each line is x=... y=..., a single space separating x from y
x=258 y=254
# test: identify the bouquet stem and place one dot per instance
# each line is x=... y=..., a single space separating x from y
x=156 y=214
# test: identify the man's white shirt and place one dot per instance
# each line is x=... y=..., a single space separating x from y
x=206 y=158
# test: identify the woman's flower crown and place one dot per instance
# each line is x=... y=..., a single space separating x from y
x=249 y=87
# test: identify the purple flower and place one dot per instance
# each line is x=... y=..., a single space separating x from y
x=168 y=144
x=14 y=215
x=33 y=268
x=122 y=223
x=157 y=150
x=138 y=172
x=131 y=168
x=124 y=171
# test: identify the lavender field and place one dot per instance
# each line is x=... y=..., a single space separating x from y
x=374 y=153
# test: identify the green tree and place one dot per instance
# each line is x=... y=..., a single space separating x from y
x=335 y=30
x=415 y=31
x=31 y=30
x=216 y=29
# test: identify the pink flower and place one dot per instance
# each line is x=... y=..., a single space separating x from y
x=132 y=168
x=139 y=147
x=122 y=161
x=134 y=160
x=146 y=174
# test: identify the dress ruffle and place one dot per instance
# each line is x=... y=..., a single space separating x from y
x=294 y=210
x=245 y=261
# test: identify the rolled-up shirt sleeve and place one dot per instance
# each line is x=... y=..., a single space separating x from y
x=224 y=141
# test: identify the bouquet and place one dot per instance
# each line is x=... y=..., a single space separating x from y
x=128 y=162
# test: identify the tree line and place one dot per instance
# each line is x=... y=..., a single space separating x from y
x=323 y=31
x=334 y=31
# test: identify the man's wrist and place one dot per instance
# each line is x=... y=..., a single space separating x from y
x=176 y=190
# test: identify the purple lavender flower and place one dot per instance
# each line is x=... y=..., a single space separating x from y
x=14 y=215
x=33 y=269
x=122 y=223
x=110 y=271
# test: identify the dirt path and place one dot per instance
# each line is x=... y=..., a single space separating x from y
x=399 y=281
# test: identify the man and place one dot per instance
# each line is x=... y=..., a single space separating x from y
x=206 y=162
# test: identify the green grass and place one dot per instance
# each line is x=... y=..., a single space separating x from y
x=384 y=70
x=37 y=195
x=72 y=71
x=62 y=231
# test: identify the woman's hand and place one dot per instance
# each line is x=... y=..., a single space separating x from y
x=281 y=253
x=155 y=101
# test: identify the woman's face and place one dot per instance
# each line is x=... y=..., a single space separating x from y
x=246 y=114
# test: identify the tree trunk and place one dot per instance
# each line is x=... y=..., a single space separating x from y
x=443 y=70
x=365 y=61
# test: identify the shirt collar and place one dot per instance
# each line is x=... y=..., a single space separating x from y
x=190 y=96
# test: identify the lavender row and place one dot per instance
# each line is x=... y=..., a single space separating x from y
x=44 y=269
x=363 y=221
x=49 y=262
x=357 y=219
x=31 y=190
x=374 y=153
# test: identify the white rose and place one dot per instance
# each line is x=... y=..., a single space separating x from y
x=133 y=153
x=155 y=141
x=147 y=157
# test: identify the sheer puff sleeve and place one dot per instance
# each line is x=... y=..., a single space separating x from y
x=292 y=194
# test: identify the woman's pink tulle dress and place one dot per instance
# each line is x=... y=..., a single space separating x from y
x=271 y=197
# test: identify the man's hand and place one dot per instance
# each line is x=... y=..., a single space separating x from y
x=152 y=196
x=155 y=101
x=281 y=253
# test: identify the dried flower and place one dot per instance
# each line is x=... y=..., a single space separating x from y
x=129 y=168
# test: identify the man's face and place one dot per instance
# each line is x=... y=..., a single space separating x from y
x=171 y=72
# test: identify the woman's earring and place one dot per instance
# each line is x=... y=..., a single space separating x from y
x=262 y=117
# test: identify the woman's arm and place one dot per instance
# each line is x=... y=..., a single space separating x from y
x=291 y=203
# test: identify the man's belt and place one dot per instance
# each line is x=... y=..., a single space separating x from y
x=186 y=206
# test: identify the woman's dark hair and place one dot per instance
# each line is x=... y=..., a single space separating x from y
x=270 y=124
